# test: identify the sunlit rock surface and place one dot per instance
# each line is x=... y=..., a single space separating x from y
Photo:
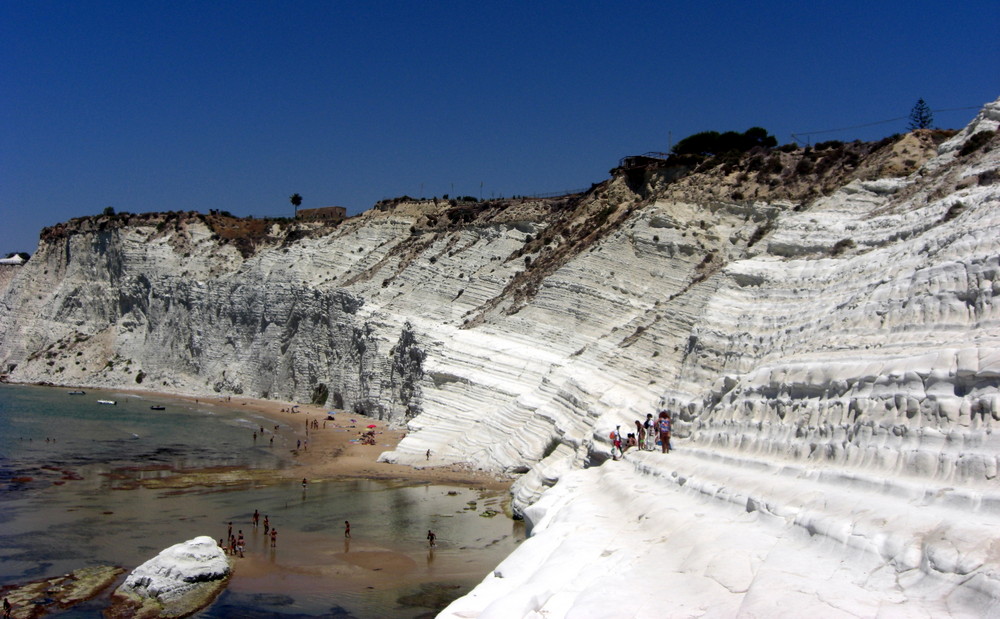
x=175 y=583
x=830 y=335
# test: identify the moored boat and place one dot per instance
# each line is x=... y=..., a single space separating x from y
x=112 y=402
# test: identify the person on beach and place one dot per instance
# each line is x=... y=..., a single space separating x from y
x=648 y=427
x=240 y=543
x=304 y=482
x=664 y=427
x=256 y=518
x=267 y=524
x=347 y=529
x=7 y=608
x=431 y=538
x=640 y=434
x=428 y=454
x=274 y=538
x=229 y=533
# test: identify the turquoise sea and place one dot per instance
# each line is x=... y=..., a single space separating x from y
x=70 y=498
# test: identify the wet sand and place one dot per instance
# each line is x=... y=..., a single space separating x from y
x=334 y=451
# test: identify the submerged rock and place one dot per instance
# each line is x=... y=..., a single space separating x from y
x=176 y=583
x=39 y=598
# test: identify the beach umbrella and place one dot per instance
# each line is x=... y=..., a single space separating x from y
x=373 y=426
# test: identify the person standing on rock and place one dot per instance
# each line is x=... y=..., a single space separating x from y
x=648 y=427
x=7 y=608
x=640 y=433
x=664 y=427
x=616 y=443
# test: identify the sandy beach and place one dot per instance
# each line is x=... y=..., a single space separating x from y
x=332 y=449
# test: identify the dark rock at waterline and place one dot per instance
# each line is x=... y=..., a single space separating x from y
x=38 y=598
x=431 y=595
x=238 y=611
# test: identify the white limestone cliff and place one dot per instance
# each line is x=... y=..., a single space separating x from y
x=835 y=332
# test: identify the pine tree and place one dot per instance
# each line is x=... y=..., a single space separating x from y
x=920 y=116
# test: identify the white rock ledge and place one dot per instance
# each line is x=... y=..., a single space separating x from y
x=175 y=583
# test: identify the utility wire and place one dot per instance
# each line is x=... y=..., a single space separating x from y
x=878 y=122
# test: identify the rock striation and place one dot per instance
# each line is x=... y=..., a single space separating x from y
x=176 y=583
x=826 y=315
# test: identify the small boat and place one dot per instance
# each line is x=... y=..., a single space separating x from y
x=157 y=407
x=77 y=392
x=111 y=402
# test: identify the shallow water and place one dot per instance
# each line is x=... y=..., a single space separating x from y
x=69 y=499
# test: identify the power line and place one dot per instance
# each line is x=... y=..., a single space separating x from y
x=795 y=136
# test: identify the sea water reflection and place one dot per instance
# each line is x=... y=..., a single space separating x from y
x=69 y=499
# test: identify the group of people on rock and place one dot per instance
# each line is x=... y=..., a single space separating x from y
x=647 y=435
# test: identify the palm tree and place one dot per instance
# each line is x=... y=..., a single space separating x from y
x=296 y=200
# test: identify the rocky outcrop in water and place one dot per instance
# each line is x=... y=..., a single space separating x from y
x=176 y=583
x=40 y=598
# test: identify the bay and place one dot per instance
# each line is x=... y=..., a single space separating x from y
x=76 y=490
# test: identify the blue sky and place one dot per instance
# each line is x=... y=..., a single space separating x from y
x=155 y=106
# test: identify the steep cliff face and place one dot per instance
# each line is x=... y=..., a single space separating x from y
x=827 y=315
x=804 y=302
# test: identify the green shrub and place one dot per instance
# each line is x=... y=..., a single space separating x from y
x=829 y=144
x=977 y=141
x=320 y=394
x=715 y=143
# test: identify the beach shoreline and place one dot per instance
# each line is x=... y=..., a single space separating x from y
x=329 y=450
x=332 y=451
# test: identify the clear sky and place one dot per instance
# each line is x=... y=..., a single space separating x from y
x=192 y=105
